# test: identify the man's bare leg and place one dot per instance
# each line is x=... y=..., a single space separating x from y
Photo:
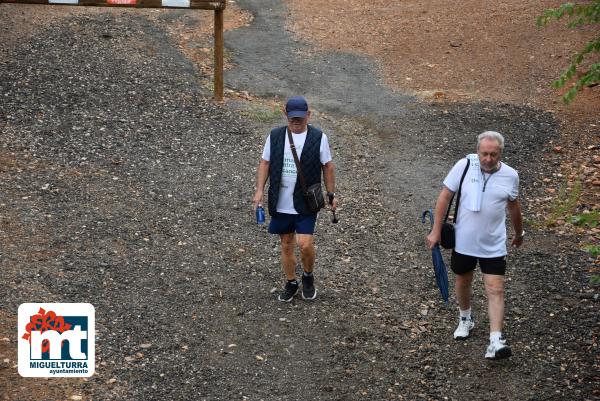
x=307 y=251
x=462 y=287
x=288 y=256
x=494 y=289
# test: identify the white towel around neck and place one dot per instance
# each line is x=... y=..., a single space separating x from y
x=475 y=183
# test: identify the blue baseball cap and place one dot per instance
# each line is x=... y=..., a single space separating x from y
x=296 y=107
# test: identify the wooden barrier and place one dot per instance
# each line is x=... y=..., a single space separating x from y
x=217 y=5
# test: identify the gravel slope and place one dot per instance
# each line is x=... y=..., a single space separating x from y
x=124 y=187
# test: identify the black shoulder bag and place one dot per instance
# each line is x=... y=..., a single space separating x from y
x=448 y=236
x=313 y=195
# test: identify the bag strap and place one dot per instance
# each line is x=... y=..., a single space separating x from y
x=458 y=196
x=296 y=160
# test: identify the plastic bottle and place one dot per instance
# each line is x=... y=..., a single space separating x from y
x=260 y=215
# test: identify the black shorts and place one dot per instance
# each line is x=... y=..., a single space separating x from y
x=461 y=264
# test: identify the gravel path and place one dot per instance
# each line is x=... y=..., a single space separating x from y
x=124 y=187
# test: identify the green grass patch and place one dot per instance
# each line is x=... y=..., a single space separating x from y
x=563 y=205
x=589 y=219
x=593 y=250
x=264 y=114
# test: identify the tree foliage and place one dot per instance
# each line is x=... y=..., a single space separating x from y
x=577 y=15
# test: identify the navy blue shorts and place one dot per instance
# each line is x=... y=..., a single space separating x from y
x=461 y=264
x=283 y=223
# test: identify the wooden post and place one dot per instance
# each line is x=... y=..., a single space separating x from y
x=218 y=65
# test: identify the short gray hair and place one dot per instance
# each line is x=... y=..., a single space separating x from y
x=496 y=136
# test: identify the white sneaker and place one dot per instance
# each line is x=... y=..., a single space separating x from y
x=463 y=331
x=498 y=350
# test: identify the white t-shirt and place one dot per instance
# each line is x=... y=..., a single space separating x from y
x=483 y=234
x=285 y=202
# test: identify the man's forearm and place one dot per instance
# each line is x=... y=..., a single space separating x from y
x=516 y=217
x=329 y=177
x=261 y=175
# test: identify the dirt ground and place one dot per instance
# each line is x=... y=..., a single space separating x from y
x=144 y=213
x=467 y=50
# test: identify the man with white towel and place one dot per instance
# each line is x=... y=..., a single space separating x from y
x=490 y=188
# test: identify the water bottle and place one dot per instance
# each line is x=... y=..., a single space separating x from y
x=260 y=215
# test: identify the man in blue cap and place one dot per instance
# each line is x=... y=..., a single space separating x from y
x=290 y=217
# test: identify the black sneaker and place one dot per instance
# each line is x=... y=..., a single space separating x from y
x=291 y=289
x=309 y=292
